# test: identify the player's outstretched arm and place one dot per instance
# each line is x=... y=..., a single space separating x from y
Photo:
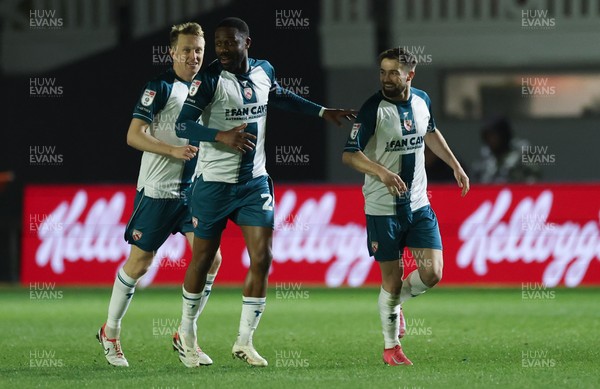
x=359 y=161
x=436 y=142
x=336 y=116
x=289 y=101
x=140 y=139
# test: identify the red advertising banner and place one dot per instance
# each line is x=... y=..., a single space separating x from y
x=496 y=235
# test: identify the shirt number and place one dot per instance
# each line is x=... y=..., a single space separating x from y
x=268 y=205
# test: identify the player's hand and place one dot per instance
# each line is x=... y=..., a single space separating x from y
x=462 y=180
x=184 y=152
x=336 y=116
x=393 y=182
x=237 y=139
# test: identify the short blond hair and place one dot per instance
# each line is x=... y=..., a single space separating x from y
x=189 y=28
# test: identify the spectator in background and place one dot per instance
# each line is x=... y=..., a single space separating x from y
x=501 y=156
x=437 y=170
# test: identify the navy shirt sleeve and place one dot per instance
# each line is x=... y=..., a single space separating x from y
x=152 y=101
x=200 y=95
x=364 y=126
x=285 y=99
x=425 y=96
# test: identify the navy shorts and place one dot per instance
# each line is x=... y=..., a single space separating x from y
x=153 y=220
x=249 y=203
x=387 y=236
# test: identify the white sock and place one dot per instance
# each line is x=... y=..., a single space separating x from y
x=122 y=293
x=210 y=279
x=389 y=312
x=413 y=288
x=190 y=312
x=252 y=309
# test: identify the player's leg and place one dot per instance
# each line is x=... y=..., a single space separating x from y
x=428 y=273
x=256 y=217
x=209 y=207
x=258 y=240
x=385 y=242
x=425 y=244
x=186 y=335
x=185 y=340
x=210 y=276
x=123 y=289
x=149 y=226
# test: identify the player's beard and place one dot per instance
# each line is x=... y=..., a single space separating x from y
x=393 y=92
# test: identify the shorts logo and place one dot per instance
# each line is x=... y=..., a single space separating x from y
x=374 y=246
x=194 y=87
x=194 y=222
x=248 y=93
x=137 y=235
x=355 y=129
x=148 y=97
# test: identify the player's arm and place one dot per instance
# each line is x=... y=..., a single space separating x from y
x=436 y=142
x=151 y=102
x=139 y=138
x=289 y=101
x=360 y=162
x=353 y=155
x=187 y=125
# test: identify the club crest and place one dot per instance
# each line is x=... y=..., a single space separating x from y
x=248 y=93
x=137 y=235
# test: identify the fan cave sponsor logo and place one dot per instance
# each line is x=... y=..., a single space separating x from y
x=404 y=144
x=566 y=249
x=44 y=156
x=291 y=155
x=45 y=87
x=537 y=19
x=246 y=112
x=291 y=19
x=44 y=19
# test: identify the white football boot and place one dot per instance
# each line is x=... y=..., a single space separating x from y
x=189 y=356
x=112 y=349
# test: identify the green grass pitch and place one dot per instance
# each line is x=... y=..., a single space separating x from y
x=312 y=338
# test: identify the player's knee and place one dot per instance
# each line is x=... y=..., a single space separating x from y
x=261 y=263
x=137 y=265
x=216 y=263
x=432 y=277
